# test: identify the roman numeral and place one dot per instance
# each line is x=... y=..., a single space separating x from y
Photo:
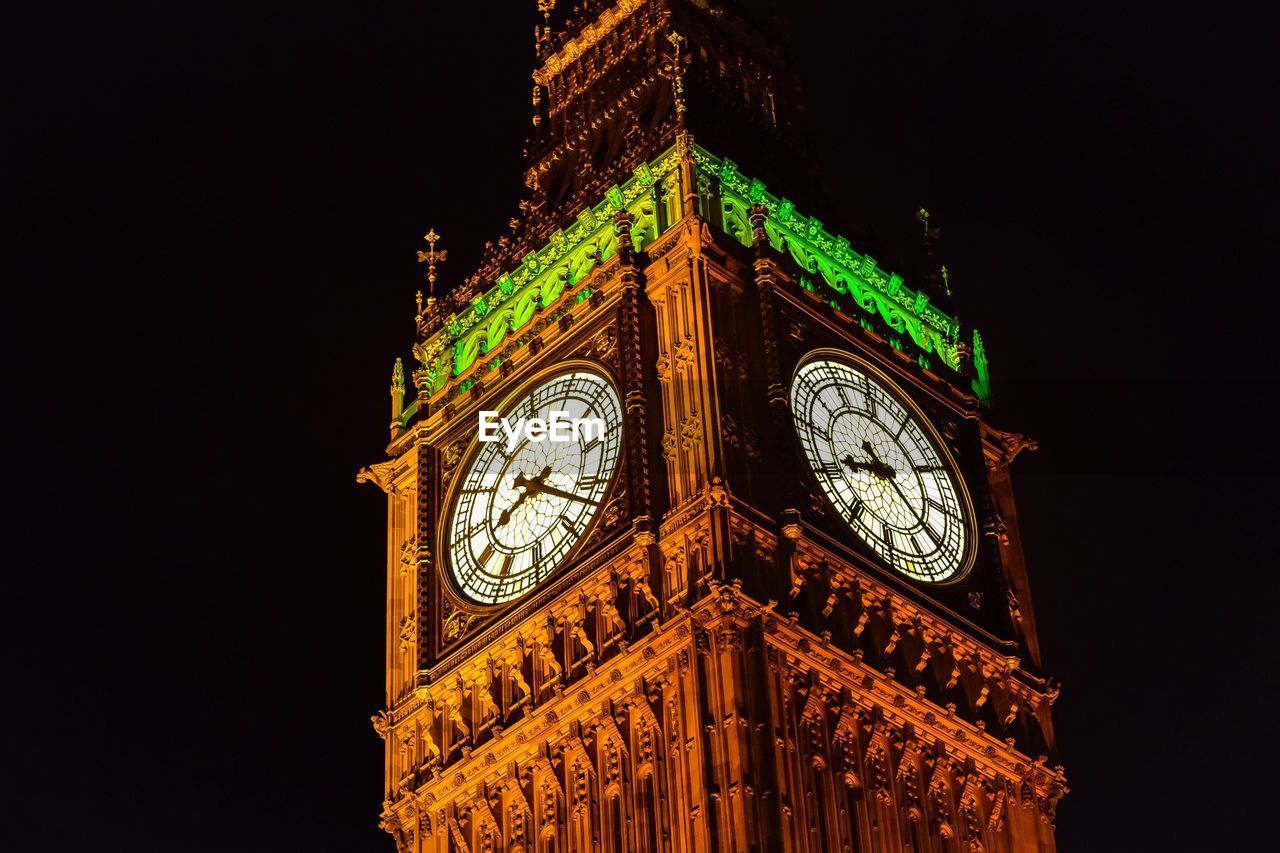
x=568 y=526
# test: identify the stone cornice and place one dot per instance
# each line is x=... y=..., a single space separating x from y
x=849 y=281
x=844 y=674
x=848 y=277
x=530 y=620
x=540 y=280
x=523 y=741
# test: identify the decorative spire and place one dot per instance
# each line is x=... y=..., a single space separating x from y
x=397 y=377
x=981 y=371
x=397 y=397
x=940 y=285
x=931 y=233
x=431 y=257
x=675 y=70
x=541 y=35
x=429 y=314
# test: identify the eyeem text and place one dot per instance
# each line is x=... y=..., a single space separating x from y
x=558 y=426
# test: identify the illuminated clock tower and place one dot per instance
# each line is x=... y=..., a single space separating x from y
x=778 y=601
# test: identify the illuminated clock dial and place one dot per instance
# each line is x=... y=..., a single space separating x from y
x=879 y=466
x=519 y=510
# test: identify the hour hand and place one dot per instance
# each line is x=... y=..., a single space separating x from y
x=875 y=466
x=855 y=466
x=530 y=487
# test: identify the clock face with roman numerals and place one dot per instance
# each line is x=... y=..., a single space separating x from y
x=881 y=468
x=518 y=513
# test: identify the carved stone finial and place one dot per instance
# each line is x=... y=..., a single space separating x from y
x=542 y=34
x=397 y=377
x=923 y=216
x=938 y=278
x=397 y=396
x=431 y=257
x=675 y=70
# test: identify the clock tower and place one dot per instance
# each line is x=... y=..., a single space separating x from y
x=772 y=596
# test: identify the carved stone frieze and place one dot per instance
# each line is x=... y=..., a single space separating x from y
x=603 y=347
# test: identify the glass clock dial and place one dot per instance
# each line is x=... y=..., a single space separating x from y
x=518 y=513
x=878 y=466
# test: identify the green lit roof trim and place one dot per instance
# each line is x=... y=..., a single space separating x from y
x=544 y=275
x=831 y=258
x=982 y=380
x=572 y=254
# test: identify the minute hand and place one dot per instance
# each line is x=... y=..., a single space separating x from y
x=917 y=516
x=893 y=480
x=543 y=488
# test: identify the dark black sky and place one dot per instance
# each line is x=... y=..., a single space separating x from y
x=211 y=212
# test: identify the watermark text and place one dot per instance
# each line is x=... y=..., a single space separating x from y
x=557 y=427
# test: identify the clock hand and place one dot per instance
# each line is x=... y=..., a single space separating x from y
x=887 y=472
x=534 y=484
x=530 y=487
x=874 y=467
x=559 y=493
x=539 y=486
x=917 y=516
x=854 y=465
x=505 y=515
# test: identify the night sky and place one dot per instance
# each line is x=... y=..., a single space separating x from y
x=211 y=213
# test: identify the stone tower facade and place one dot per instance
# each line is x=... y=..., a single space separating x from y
x=741 y=648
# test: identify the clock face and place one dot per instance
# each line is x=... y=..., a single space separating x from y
x=879 y=467
x=519 y=510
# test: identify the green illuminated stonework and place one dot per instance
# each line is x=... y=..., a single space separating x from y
x=849 y=281
x=847 y=276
